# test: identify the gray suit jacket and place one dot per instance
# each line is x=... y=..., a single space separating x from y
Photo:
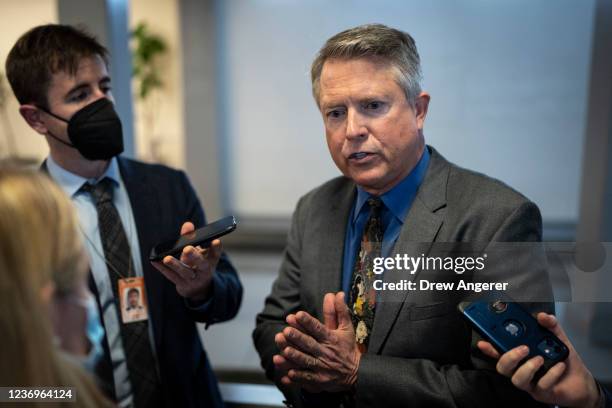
x=421 y=352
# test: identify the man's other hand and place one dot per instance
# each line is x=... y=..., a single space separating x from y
x=568 y=383
x=319 y=356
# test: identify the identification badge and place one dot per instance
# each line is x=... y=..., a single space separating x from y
x=133 y=300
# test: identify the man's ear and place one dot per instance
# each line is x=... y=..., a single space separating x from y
x=33 y=116
x=420 y=107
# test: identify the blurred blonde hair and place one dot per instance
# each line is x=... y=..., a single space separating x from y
x=40 y=244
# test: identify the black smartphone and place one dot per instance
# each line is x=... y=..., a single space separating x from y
x=202 y=236
x=508 y=325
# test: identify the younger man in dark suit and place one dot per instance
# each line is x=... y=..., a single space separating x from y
x=60 y=78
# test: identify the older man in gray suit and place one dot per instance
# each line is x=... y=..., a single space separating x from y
x=324 y=336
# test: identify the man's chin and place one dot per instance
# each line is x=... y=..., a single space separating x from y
x=372 y=183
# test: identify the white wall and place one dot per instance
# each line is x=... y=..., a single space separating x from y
x=16 y=17
x=508 y=84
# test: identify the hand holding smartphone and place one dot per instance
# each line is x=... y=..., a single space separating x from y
x=507 y=325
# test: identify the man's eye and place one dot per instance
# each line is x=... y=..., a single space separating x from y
x=334 y=114
x=79 y=96
x=106 y=89
x=374 y=105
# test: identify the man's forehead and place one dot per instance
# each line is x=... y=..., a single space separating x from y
x=92 y=68
x=363 y=76
x=371 y=62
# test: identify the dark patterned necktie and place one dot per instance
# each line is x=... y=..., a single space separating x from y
x=135 y=336
x=362 y=299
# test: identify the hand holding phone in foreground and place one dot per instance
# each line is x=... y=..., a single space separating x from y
x=567 y=383
x=192 y=273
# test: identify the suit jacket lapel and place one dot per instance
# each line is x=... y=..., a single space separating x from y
x=416 y=237
x=332 y=232
x=143 y=199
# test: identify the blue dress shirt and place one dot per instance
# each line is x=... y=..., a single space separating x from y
x=397 y=202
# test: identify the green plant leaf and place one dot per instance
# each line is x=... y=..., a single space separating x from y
x=146 y=51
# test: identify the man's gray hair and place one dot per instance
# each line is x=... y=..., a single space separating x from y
x=378 y=41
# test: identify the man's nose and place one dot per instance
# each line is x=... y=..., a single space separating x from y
x=99 y=94
x=355 y=126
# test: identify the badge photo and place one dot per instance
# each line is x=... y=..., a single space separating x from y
x=133 y=301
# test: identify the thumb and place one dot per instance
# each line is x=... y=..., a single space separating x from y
x=550 y=322
x=187 y=228
x=329 y=312
x=342 y=312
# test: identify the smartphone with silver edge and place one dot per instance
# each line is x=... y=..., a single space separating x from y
x=202 y=237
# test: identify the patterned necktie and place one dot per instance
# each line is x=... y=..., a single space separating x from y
x=135 y=336
x=362 y=300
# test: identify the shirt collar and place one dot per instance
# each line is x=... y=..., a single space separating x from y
x=71 y=183
x=399 y=198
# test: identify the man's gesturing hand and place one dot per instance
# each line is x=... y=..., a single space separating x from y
x=316 y=356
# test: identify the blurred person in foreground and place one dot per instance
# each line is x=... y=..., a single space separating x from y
x=43 y=323
x=59 y=74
